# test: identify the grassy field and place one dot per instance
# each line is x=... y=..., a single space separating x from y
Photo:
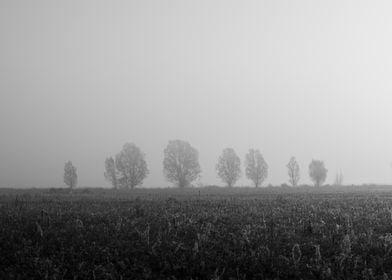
x=207 y=233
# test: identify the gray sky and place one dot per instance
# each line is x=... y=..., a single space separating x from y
x=78 y=79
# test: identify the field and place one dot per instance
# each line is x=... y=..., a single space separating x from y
x=209 y=233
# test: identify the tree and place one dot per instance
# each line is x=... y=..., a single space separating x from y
x=338 y=179
x=317 y=172
x=131 y=165
x=293 y=170
x=70 y=175
x=229 y=167
x=256 y=168
x=181 y=163
x=111 y=172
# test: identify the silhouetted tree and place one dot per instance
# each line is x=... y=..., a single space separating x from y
x=229 y=167
x=70 y=175
x=317 y=172
x=181 y=163
x=256 y=168
x=293 y=171
x=111 y=172
x=132 y=166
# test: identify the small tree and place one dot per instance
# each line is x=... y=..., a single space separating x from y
x=229 y=167
x=181 y=163
x=131 y=165
x=317 y=172
x=111 y=172
x=293 y=171
x=70 y=175
x=256 y=167
x=338 y=179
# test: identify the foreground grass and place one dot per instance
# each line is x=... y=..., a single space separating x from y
x=209 y=233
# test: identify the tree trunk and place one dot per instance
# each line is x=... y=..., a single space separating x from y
x=182 y=183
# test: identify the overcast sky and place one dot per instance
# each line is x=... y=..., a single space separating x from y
x=78 y=79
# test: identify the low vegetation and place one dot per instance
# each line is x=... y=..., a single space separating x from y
x=207 y=233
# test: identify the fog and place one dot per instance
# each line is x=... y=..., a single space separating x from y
x=310 y=79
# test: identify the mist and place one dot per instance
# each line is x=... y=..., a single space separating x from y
x=308 y=79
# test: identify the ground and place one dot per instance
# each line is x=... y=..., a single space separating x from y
x=197 y=233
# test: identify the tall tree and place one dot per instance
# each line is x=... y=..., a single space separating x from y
x=181 y=163
x=70 y=175
x=131 y=165
x=293 y=171
x=229 y=167
x=111 y=172
x=256 y=167
x=317 y=172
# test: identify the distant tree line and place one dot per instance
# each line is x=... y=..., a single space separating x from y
x=128 y=168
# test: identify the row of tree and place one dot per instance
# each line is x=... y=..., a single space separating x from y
x=128 y=168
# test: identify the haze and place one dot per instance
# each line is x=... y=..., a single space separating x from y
x=310 y=79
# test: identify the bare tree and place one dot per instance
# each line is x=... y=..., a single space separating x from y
x=70 y=175
x=132 y=166
x=293 y=171
x=256 y=168
x=111 y=172
x=317 y=172
x=181 y=163
x=229 y=167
